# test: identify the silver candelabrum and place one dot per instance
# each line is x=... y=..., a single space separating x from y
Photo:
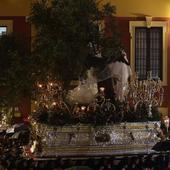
x=149 y=92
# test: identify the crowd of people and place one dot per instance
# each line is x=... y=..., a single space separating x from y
x=12 y=158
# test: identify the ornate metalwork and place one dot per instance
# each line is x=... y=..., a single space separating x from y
x=120 y=138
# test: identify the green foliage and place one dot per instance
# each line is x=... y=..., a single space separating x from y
x=14 y=69
x=64 y=30
x=53 y=117
x=141 y=114
x=59 y=116
x=156 y=114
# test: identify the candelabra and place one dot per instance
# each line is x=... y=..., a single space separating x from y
x=47 y=94
x=148 y=92
x=50 y=95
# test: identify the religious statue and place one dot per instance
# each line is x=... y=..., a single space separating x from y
x=113 y=76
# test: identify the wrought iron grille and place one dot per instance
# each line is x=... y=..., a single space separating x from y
x=148 y=52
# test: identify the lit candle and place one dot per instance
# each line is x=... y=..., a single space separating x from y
x=166 y=122
x=83 y=108
x=51 y=84
x=102 y=89
x=54 y=104
x=40 y=85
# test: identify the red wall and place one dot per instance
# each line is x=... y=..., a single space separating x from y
x=23 y=30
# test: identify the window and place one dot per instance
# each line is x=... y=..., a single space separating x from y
x=148 y=52
x=6 y=26
x=3 y=30
x=149 y=49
